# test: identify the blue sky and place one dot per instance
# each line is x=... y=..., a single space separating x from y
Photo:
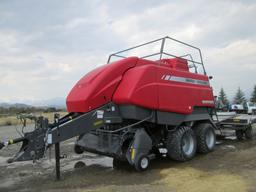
x=46 y=46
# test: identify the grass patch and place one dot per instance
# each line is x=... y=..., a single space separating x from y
x=8 y=120
x=12 y=119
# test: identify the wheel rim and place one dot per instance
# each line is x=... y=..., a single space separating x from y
x=144 y=163
x=209 y=137
x=188 y=144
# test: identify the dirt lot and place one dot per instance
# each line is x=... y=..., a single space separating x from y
x=231 y=167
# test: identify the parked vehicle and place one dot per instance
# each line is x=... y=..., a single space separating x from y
x=247 y=107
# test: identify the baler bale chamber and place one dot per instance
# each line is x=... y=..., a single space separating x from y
x=132 y=108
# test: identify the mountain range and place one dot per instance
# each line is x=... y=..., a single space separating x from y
x=57 y=102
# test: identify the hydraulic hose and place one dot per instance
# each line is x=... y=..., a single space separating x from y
x=11 y=141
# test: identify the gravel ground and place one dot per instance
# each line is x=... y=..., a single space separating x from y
x=231 y=167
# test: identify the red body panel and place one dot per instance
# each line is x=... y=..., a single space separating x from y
x=181 y=97
x=97 y=87
x=176 y=64
x=139 y=86
x=165 y=85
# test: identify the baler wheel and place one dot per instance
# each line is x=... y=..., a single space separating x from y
x=78 y=149
x=206 y=137
x=181 y=144
x=141 y=163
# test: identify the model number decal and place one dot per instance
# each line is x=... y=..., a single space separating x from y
x=184 y=80
x=100 y=114
x=208 y=102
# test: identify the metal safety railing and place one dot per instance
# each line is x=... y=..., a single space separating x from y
x=162 y=52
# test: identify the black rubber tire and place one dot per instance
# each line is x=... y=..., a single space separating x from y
x=119 y=164
x=239 y=134
x=248 y=133
x=201 y=131
x=10 y=160
x=138 y=163
x=174 y=144
x=78 y=149
x=79 y=164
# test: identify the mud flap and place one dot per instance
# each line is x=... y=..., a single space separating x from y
x=141 y=144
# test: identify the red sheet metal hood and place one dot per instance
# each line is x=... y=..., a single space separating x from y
x=98 y=86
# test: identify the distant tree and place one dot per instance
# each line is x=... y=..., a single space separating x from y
x=13 y=110
x=50 y=109
x=223 y=97
x=239 y=97
x=253 y=98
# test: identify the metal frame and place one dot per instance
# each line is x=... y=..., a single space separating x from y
x=162 y=51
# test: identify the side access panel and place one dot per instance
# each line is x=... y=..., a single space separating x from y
x=175 y=119
x=138 y=86
x=161 y=117
x=181 y=91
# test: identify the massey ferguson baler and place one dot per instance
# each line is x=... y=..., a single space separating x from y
x=130 y=109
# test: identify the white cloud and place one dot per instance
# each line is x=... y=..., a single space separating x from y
x=233 y=66
x=46 y=48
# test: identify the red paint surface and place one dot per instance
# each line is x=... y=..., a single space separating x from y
x=139 y=82
x=97 y=87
